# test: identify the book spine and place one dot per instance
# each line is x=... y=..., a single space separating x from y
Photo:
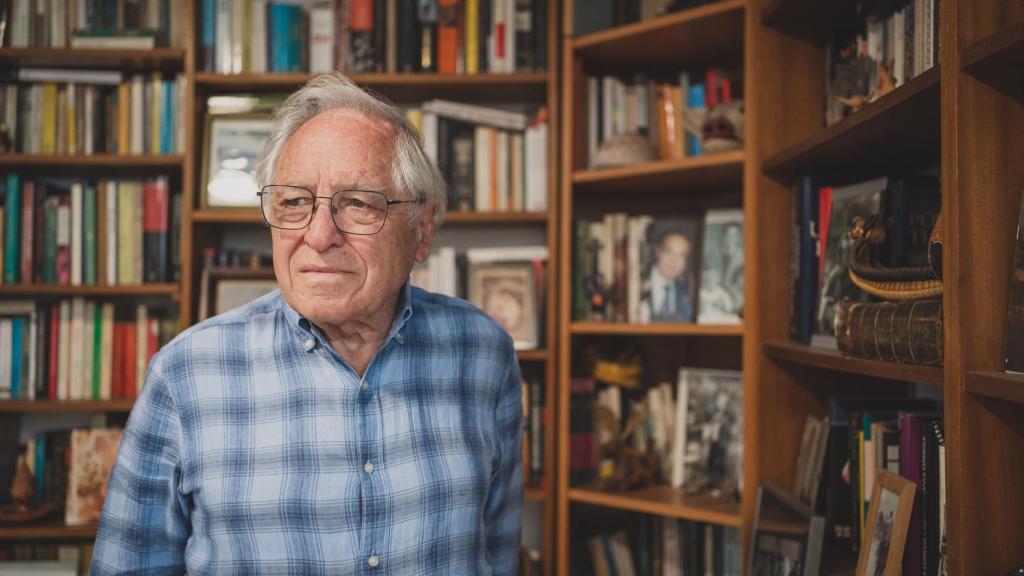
x=155 y=234
x=321 y=39
x=89 y=233
x=28 y=217
x=447 y=36
x=12 y=215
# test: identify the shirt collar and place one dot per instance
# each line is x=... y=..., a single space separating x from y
x=307 y=329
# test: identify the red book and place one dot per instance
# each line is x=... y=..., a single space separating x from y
x=117 y=371
x=152 y=339
x=711 y=96
x=53 y=354
x=64 y=240
x=155 y=201
x=447 y=36
x=28 y=205
x=130 y=351
x=360 y=16
x=824 y=214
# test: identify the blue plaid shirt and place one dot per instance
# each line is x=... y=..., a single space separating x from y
x=255 y=449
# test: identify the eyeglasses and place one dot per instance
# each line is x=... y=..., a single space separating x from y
x=360 y=212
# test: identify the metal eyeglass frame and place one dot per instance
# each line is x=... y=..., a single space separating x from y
x=388 y=203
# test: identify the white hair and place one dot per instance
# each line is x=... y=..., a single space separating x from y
x=412 y=172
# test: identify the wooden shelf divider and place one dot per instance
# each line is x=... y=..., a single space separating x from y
x=897 y=132
x=999 y=385
x=998 y=60
x=663 y=501
x=832 y=360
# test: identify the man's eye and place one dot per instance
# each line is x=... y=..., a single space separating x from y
x=357 y=203
x=295 y=202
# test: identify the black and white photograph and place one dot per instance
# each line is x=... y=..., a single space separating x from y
x=885 y=525
x=721 y=277
x=234 y=144
x=788 y=536
x=881 y=534
x=667 y=276
x=506 y=293
x=848 y=202
x=710 y=402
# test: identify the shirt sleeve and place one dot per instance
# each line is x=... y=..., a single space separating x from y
x=503 y=514
x=145 y=521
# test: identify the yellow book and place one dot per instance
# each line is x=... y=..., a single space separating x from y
x=415 y=117
x=71 y=114
x=472 y=45
x=48 y=137
x=860 y=481
x=125 y=232
x=156 y=91
x=124 y=109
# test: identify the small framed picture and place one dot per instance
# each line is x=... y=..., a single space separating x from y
x=787 y=538
x=885 y=532
x=235 y=292
x=507 y=292
x=233 y=144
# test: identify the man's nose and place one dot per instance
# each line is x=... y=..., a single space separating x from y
x=322 y=232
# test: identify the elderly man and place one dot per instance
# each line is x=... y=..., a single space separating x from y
x=348 y=423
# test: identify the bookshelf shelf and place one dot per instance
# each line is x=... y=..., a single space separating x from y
x=711 y=172
x=93 y=160
x=808 y=20
x=998 y=60
x=47 y=532
x=228 y=216
x=535 y=495
x=539 y=355
x=832 y=360
x=64 y=406
x=33 y=290
x=710 y=35
x=664 y=501
x=624 y=329
x=530 y=86
x=133 y=60
x=897 y=132
x=998 y=385
x=253 y=216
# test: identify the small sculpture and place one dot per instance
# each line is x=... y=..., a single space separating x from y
x=723 y=127
x=21 y=485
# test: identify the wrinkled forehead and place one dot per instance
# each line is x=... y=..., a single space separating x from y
x=348 y=126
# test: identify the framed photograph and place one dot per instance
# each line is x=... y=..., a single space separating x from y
x=885 y=533
x=787 y=537
x=507 y=293
x=233 y=144
x=224 y=289
x=668 y=256
x=720 y=300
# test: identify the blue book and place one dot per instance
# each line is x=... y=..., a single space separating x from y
x=17 y=354
x=278 y=41
x=294 y=38
x=695 y=99
x=805 y=290
x=12 y=218
x=167 y=123
x=209 y=35
x=40 y=470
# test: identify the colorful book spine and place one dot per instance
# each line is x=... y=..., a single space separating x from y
x=12 y=215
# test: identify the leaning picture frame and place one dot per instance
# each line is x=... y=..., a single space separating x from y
x=787 y=536
x=886 y=525
x=507 y=293
x=232 y=145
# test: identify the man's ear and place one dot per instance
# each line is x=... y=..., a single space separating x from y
x=425 y=233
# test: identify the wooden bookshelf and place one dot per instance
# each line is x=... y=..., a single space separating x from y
x=228 y=216
x=65 y=406
x=535 y=495
x=786 y=351
x=998 y=60
x=1001 y=386
x=47 y=161
x=538 y=355
x=624 y=329
x=711 y=172
x=47 y=531
x=30 y=290
x=893 y=134
x=170 y=59
x=663 y=501
x=710 y=35
x=809 y=20
x=399 y=87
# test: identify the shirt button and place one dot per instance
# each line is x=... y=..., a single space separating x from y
x=364 y=385
x=309 y=344
x=398 y=337
x=373 y=561
x=368 y=467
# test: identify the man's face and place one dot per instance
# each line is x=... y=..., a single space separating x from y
x=325 y=275
x=672 y=255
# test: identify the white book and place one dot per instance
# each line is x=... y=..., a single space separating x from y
x=258 y=37
x=20 y=23
x=506 y=119
x=80 y=15
x=33 y=347
x=137 y=122
x=679 y=438
x=516 y=176
x=536 y=185
x=222 y=49
x=90 y=104
x=607 y=108
x=593 y=117
x=321 y=38
x=240 y=20
x=483 y=144
x=60 y=75
x=141 y=344
x=509 y=61
x=503 y=167
x=63 y=353
x=111 y=232
x=430 y=135
x=76 y=361
x=506 y=254
x=88 y=345
x=497 y=59
x=107 y=351
x=58 y=18
x=76 y=234
x=6 y=360
x=180 y=97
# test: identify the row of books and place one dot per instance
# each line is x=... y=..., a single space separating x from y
x=78 y=349
x=535 y=418
x=82 y=232
x=71 y=112
x=45 y=558
x=660 y=546
x=670 y=115
x=694 y=427
x=508 y=283
x=105 y=24
x=643 y=269
x=364 y=36
x=493 y=159
x=907 y=207
x=838 y=461
x=890 y=43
